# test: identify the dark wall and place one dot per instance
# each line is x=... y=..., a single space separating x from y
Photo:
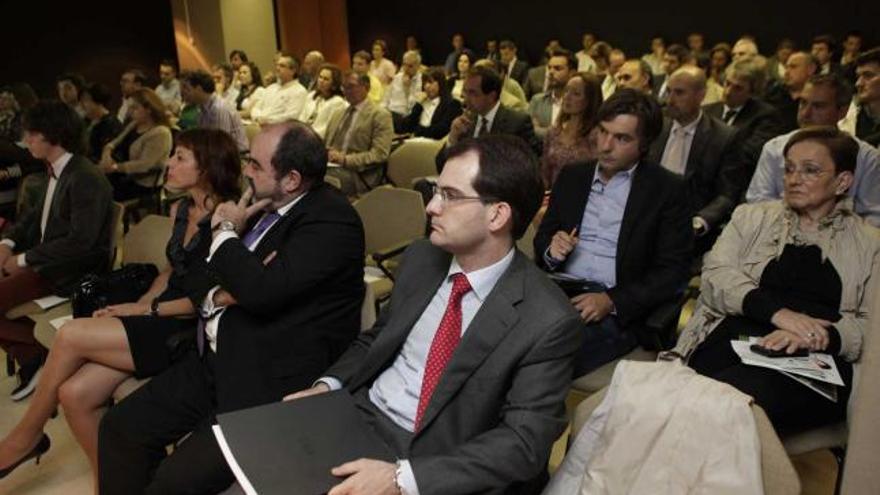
x=626 y=25
x=97 y=38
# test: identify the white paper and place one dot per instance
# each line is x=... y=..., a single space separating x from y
x=333 y=165
x=61 y=320
x=243 y=480
x=49 y=301
x=373 y=274
x=817 y=366
x=419 y=139
x=826 y=390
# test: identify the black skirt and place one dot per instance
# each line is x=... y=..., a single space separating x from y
x=155 y=343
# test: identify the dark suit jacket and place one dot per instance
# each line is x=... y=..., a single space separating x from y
x=715 y=172
x=506 y=121
x=298 y=313
x=757 y=122
x=78 y=229
x=499 y=405
x=448 y=109
x=655 y=241
x=535 y=81
x=519 y=72
x=779 y=97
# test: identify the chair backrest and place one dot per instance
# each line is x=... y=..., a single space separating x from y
x=526 y=242
x=117 y=230
x=413 y=159
x=391 y=216
x=145 y=241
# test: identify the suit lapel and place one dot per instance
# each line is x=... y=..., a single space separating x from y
x=659 y=146
x=60 y=188
x=635 y=204
x=701 y=136
x=488 y=328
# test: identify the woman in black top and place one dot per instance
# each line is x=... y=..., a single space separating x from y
x=434 y=115
x=92 y=356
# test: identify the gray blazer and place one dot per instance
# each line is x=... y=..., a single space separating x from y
x=499 y=405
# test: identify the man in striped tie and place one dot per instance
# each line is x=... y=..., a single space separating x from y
x=465 y=374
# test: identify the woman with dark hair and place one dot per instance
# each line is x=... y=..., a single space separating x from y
x=381 y=67
x=570 y=139
x=251 y=89
x=237 y=58
x=136 y=157
x=92 y=356
x=325 y=99
x=797 y=274
x=719 y=59
x=462 y=66
x=432 y=117
x=102 y=126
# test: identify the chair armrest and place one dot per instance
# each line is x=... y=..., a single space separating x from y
x=381 y=256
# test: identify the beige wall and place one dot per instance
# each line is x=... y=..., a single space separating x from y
x=249 y=25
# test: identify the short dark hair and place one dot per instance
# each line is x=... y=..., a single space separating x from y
x=217 y=158
x=570 y=59
x=507 y=43
x=679 y=52
x=77 y=80
x=508 y=173
x=363 y=55
x=871 y=56
x=303 y=150
x=138 y=76
x=227 y=70
x=626 y=101
x=241 y=54
x=490 y=80
x=438 y=75
x=827 y=40
x=167 y=62
x=98 y=93
x=844 y=150
x=199 y=79
x=362 y=79
x=843 y=90
x=58 y=123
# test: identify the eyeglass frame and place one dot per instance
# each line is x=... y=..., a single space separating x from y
x=805 y=173
x=437 y=190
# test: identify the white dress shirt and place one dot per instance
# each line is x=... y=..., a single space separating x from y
x=400 y=97
x=428 y=109
x=585 y=62
x=280 y=103
x=122 y=114
x=317 y=111
x=489 y=118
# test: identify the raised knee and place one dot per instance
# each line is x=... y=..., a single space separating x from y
x=65 y=337
x=74 y=395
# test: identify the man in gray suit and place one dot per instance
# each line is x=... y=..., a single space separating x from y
x=465 y=374
x=545 y=106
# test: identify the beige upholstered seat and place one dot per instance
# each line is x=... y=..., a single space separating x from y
x=414 y=159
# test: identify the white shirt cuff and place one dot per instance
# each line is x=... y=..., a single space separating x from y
x=208 y=307
x=407 y=479
x=22 y=262
x=220 y=239
x=330 y=381
x=9 y=242
x=701 y=222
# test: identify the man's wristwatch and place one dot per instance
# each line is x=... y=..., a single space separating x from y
x=226 y=226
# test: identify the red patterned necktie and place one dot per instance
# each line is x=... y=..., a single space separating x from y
x=445 y=341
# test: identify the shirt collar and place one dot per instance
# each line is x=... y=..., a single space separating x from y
x=59 y=164
x=491 y=115
x=623 y=174
x=483 y=280
x=731 y=109
x=284 y=209
x=688 y=129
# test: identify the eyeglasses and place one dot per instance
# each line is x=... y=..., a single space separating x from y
x=449 y=196
x=808 y=173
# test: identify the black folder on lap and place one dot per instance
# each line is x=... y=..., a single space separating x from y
x=290 y=447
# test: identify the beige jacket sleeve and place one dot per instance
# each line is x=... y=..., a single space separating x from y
x=853 y=324
x=381 y=130
x=148 y=152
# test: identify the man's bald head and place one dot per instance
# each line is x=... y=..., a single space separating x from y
x=692 y=75
x=687 y=88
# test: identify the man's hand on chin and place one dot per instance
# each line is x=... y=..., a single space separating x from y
x=366 y=477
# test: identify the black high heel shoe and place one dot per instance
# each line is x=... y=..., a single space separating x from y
x=41 y=448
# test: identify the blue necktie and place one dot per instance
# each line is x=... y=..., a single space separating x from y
x=251 y=237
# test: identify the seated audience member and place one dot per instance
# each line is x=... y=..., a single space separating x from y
x=571 y=138
x=585 y=61
x=10 y=116
x=824 y=101
x=237 y=58
x=69 y=87
x=224 y=75
x=402 y=94
x=719 y=60
x=823 y=49
x=863 y=119
x=852 y=47
x=795 y=272
x=492 y=50
x=486 y=115
x=512 y=94
x=509 y=64
x=537 y=78
x=131 y=81
x=704 y=150
x=635 y=74
x=135 y=159
x=360 y=64
x=620 y=223
x=325 y=100
x=714 y=90
x=615 y=61
x=740 y=108
x=51 y=246
x=168 y=89
x=676 y=56
x=312 y=62
x=424 y=382
x=283 y=100
x=250 y=88
x=745 y=47
x=452 y=59
x=545 y=107
x=198 y=88
x=696 y=43
x=287 y=305
x=90 y=357
x=601 y=54
x=358 y=137
x=784 y=95
x=776 y=63
x=102 y=126
x=655 y=57
x=465 y=61
x=380 y=67
x=433 y=116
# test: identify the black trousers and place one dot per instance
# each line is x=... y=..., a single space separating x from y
x=134 y=435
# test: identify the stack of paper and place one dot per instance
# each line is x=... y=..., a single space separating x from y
x=817 y=371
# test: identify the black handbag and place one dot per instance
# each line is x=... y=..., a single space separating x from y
x=127 y=284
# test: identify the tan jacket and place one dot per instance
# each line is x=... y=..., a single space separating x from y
x=371 y=134
x=756 y=234
x=147 y=153
x=662 y=428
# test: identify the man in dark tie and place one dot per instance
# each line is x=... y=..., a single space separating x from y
x=465 y=374
x=54 y=243
x=287 y=304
